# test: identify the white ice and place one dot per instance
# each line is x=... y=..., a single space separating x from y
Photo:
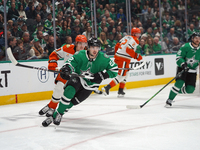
x=103 y=123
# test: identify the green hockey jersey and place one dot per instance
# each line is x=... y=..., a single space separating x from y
x=81 y=65
x=190 y=55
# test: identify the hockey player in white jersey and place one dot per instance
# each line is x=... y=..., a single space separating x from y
x=124 y=52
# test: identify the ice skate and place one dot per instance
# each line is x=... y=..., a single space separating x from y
x=44 y=110
x=98 y=92
x=50 y=112
x=57 y=119
x=47 y=121
x=168 y=103
x=106 y=89
x=121 y=92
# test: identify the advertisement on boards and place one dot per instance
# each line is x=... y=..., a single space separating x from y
x=19 y=80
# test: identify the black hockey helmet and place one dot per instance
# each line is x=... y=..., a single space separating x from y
x=94 y=42
x=193 y=35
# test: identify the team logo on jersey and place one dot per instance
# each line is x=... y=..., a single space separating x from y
x=43 y=75
x=159 y=66
x=87 y=72
x=192 y=61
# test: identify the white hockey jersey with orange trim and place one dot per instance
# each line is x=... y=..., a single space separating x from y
x=65 y=52
x=126 y=48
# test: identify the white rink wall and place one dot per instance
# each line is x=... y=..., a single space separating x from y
x=18 y=84
x=19 y=80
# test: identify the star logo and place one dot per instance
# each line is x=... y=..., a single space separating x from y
x=87 y=72
x=192 y=61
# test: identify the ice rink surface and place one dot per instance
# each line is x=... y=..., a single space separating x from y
x=104 y=123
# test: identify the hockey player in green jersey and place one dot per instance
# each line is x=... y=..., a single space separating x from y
x=89 y=62
x=187 y=59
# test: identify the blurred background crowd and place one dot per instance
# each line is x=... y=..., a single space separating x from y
x=30 y=24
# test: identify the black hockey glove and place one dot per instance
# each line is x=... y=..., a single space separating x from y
x=185 y=67
x=65 y=71
x=99 y=76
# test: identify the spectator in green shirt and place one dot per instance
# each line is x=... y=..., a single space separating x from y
x=48 y=21
x=156 y=47
x=103 y=40
x=100 y=10
x=111 y=41
x=148 y=48
x=191 y=30
x=113 y=14
x=140 y=47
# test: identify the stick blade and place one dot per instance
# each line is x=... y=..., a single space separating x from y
x=133 y=106
x=11 y=57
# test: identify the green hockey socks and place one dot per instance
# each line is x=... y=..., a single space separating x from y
x=179 y=88
x=65 y=104
x=175 y=89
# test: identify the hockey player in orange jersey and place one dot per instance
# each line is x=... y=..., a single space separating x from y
x=65 y=52
x=124 y=51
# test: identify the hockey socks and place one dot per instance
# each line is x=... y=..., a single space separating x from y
x=175 y=89
x=62 y=107
x=121 y=85
x=189 y=89
x=65 y=104
x=112 y=84
x=52 y=104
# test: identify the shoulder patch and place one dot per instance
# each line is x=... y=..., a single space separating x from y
x=183 y=45
x=105 y=55
x=76 y=52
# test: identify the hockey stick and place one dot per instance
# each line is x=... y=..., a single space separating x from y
x=140 y=106
x=16 y=63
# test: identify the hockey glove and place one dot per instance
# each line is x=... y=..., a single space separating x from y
x=52 y=65
x=138 y=57
x=99 y=76
x=185 y=67
x=65 y=71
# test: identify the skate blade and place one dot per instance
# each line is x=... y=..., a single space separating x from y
x=104 y=91
x=120 y=96
x=98 y=92
x=167 y=106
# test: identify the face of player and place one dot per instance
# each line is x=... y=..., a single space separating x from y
x=196 y=41
x=80 y=46
x=93 y=51
x=138 y=35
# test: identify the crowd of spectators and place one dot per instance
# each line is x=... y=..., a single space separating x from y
x=30 y=23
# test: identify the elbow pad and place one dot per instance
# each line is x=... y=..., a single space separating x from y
x=138 y=57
